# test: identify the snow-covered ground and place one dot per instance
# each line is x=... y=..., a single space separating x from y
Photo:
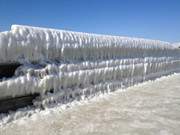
x=149 y=108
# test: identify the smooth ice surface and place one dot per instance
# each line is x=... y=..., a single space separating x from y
x=150 y=108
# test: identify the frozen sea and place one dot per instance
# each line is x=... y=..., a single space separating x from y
x=151 y=108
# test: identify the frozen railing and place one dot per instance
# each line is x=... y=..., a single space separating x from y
x=74 y=65
x=35 y=44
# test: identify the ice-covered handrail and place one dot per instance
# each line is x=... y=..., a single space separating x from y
x=34 y=44
x=76 y=65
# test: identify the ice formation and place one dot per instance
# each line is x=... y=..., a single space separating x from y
x=176 y=45
x=75 y=65
x=35 y=44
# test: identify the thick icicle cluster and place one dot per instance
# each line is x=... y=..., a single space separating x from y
x=35 y=44
x=76 y=65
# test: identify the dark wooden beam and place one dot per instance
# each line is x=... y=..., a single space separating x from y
x=8 y=69
x=12 y=104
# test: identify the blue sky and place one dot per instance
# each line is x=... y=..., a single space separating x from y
x=154 y=19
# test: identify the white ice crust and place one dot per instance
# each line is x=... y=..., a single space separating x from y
x=35 y=44
x=79 y=65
